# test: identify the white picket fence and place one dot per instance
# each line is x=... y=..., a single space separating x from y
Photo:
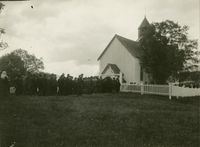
x=168 y=90
x=185 y=91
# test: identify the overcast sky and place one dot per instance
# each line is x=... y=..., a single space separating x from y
x=70 y=34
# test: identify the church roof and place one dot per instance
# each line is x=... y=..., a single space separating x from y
x=144 y=23
x=114 y=68
x=130 y=45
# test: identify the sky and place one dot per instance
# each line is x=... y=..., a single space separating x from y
x=69 y=35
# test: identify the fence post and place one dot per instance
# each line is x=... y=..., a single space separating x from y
x=142 y=88
x=170 y=91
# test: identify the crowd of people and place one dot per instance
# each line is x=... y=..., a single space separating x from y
x=45 y=84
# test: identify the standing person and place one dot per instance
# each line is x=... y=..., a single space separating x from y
x=4 y=84
x=114 y=85
x=107 y=85
x=71 y=85
x=118 y=84
x=75 y=87
x=61 y=82
x=80 y=85
x=68 y=85
x=18 y=85
x=99 y=85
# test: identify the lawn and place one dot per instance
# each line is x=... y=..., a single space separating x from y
x=99 y=120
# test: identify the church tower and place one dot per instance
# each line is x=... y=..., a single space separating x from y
x=143 y=29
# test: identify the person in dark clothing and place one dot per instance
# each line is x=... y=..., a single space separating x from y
x=75 y=87
x=107 y=85
x=71 y=83
x=80 y=84
x=118 y=84
x=68 y=85
x=114 y=85
x=61 y=82
x=4 y=84
x=98 y=86
x=53 y=85
x=18 y=84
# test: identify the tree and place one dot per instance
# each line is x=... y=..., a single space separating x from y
x=13 y=65
x=167 y=51
x=178 y=35
x=3 y=45
x=19 y=63
x=1 y=6
x=31 y=63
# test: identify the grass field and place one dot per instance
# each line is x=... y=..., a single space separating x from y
x=100 y=120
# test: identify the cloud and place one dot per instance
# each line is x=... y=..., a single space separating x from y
x=78 y=30
x=71 y=67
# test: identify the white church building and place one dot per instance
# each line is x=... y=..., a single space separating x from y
x=121 y=58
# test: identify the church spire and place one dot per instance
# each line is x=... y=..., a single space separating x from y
x=143 y=28
x=145 y=23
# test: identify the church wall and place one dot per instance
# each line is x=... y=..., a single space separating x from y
x=119 y=55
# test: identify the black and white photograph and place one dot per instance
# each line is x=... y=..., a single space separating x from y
x=99 y=73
